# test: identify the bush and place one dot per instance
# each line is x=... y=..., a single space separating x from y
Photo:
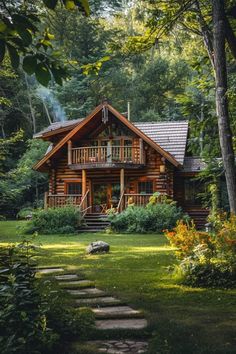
x=55 y=220
x=152 y=218
x=35 y=315
x=23 y=324
x=24 y=213
x=207 y=259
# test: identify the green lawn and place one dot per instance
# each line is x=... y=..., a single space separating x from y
x=182 y=319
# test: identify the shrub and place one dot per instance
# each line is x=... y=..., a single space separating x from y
x=24 y=213
x=207 y=259
x=185 y=238
x=55 y=220
x=152 y=218
x=23 y=324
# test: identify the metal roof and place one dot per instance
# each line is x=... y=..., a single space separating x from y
x=57 y=125
x=171 y=136
x=193 y=164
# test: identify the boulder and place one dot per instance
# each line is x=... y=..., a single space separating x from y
x=98 y=247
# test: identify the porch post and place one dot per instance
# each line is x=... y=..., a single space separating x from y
x=122 y=181
x=69 y=145
x=45 y=200
x=84 y=188
x=122 y=186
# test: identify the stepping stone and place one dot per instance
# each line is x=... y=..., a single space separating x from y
x=86 y=292
x=106 y=300
x=120 y=346
x=50 y=270
x=84 y=283
x=67 y=277
x=115 y=311
x=132 y=323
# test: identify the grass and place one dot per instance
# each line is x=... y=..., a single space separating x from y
x=137 y=270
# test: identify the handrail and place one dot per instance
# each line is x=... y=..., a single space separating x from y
x=119 y=204
x=106 y=147
x=64 y=195
x=82 y=202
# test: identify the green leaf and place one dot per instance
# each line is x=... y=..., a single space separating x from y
x=14 y=56
x=51 y=4
x=42 y=74
x=24 y=34
x=69 y=4
x=23 y=21
x=2 y=50
x=85 y=5
x=29 y=64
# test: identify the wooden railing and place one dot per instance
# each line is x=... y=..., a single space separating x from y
x=136 y=199
x=84 y=203
x=57 y=200
x=106 y=154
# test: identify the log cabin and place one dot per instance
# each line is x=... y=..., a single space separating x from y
x=105 y=161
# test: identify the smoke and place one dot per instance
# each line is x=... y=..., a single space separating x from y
x=58 y=112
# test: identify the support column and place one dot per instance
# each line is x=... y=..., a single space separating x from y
x=69 y=145
x=84 y=188
x=45 y=200
x=122 y=187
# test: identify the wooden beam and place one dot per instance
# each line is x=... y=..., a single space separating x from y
x=69 y=146
x=45 y=200
x=84 y=188
x=122 y=181
x=141 y=150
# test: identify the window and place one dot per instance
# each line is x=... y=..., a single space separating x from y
x=145 y=187
x=74 y=188
x=192 y=189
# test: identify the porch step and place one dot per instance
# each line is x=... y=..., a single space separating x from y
x=95 y=223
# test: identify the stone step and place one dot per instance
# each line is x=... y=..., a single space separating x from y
x=88 y=230
x=77 y=284
x=86 y=292
x=67 y=277
x=50 y=270
x=102 y=301
x=116 y=312
x=120 y=346
x=131 y=324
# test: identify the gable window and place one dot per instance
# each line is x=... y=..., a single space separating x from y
x=145 y=187
x=74 y=188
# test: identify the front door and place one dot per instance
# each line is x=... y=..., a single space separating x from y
x=105 y=196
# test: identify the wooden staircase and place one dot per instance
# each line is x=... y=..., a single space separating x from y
x=95 y=223
x=199 y=216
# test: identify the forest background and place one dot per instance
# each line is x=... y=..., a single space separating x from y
x=106 y=57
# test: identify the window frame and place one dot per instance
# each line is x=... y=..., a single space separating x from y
x=145 y=180
x=70 y=181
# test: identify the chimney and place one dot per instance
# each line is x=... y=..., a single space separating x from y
x=128 y=108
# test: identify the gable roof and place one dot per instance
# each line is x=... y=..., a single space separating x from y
x=57 y=127
x=171 y=136
x=131 y=126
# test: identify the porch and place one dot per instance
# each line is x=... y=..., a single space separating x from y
x=97 y=206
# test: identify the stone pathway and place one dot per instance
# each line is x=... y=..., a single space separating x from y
x=110 y=312
x=121 y=346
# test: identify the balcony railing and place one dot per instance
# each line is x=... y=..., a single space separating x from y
x=106 y=154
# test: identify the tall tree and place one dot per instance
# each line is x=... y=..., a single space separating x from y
x=225 y=134
x=199 y=18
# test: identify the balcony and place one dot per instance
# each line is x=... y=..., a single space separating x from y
x=105 y=156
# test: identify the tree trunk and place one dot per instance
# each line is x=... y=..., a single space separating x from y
x=225 y=134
